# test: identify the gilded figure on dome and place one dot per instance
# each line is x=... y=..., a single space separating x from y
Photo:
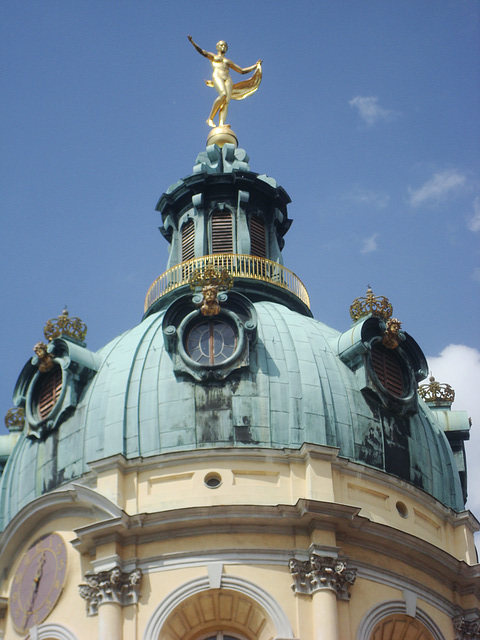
x=223 y=83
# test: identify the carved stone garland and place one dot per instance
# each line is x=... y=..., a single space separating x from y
x=322 y=572
x=110 y=586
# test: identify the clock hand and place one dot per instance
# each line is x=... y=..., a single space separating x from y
x=36 y=584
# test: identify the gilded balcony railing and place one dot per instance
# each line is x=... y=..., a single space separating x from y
x=239 y=266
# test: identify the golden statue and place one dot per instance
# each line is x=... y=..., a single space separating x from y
x=223 y=83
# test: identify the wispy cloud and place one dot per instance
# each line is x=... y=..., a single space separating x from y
x=369 y=244
x=377 y=199
x=370 y=111
x=437 y=188
x=474 y=222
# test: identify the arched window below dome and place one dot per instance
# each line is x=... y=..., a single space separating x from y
x=399 y=626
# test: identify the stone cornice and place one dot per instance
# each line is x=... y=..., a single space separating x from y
x=304 y=517
x=252 y=454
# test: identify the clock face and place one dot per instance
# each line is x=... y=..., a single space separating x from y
x=38 y=582
x=211 y=342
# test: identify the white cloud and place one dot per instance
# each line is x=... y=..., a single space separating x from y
x=438 y=187
x=369 y=109
x=377 y=199
x=459 y=366
x=474 y=222
x=369 y=244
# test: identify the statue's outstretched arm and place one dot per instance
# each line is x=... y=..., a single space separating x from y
x=207 y=54
x=238 y=69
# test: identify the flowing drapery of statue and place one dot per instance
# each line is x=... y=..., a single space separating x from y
x=223 y=83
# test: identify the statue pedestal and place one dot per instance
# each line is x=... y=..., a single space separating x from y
x=222 y=135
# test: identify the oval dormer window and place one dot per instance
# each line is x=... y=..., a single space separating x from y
x=389 y=370
x=49 y=388
x=211 y=342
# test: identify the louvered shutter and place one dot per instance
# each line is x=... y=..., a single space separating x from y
x=387 y=366
x=222 y=240
x=258 y=245
x=188 y=241
x=49 y=392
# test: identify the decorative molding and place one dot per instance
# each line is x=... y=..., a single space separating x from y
x=322 y=572
x=383 y=609
x=467 y=625
x=272 y=608
x=110 y=586
x=51 y=631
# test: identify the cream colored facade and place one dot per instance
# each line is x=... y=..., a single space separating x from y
x=291 y=544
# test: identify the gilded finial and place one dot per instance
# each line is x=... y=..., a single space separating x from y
x=15 y=419
x=436 y=393
x=211 y=281
x=65 y=326
x=375 y=305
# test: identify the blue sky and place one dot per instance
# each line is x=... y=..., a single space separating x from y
x=368 y=115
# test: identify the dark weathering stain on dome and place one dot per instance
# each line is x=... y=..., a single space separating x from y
x=386 y=445
x=213 y=413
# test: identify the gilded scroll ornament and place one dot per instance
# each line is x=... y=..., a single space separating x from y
x=223 y=83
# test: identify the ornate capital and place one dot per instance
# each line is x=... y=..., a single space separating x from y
x=467 y=626
x=110 y=586
x=322 y=572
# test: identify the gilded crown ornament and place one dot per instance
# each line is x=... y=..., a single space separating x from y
x=15 y=419
x=211 y=281
x=376 y=305
x=436 y=393
x=65 y=326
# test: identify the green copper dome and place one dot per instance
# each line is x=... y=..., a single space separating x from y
x=258 y=372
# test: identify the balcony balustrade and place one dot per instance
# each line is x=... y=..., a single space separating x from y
x=239 y=266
